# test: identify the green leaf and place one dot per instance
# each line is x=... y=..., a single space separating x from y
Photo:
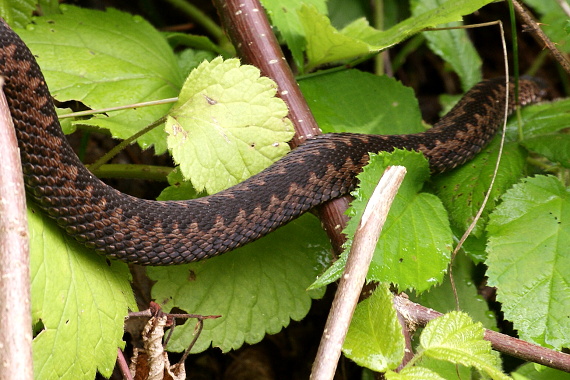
x=80 y=299
x=440 y=297
x=554 y=147
x=414 y=248
x=529 y=259
x=463 y=190
x=532 y=371
x=227 y=125
x=283 y=14
x=179 y=189
x=455 y=338
x=453 y=45
x=540 y=119
x=355 y=101
x=17 y=13
x=413 y=373
x=80 y=64
x=375 y=339
x=448 y=370
x=257 y=289
x=325 y=44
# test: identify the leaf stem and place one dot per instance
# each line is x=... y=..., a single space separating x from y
x=119 y=108
x=133 y=171
x=200 y=17
x=123 y=144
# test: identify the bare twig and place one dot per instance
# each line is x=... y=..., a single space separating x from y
x=419 y=315
x=123 y=366
x=15 y=311
x=355 y=272
x=247 y=25
x=537 y=33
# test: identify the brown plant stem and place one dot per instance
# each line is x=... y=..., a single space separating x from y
x=248 y=28
x=533 y=27
x=418 y=316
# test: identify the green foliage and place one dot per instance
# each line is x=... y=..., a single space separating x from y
x=452 y=338
x=455 y=338
x=79 y=300
x=530 y=266
x=410 y=263
x=452 y=45
x=325 y=44
x=531 y=371
x=375 y=338
x=218 y=139
x=370 y=103
x=257 y=289
x=283 y=14
x=138 y=66
x=260 y=288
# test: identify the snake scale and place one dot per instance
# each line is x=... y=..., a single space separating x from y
x=163 y=233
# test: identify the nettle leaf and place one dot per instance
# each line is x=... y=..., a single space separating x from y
x=80 y=64
x=529 y=259
x=463 y=190
x=374 y=339
x=453 y=45
x=325 y=44
x=355 y=101
x=283 y=14
x=257 y=289
x=470 y=301
x=227 y=125
x=414 y=248
x=533 y=371
x=540 y=119
x=413 y=373
x=455 y=338
x=18 y=13
x=554 y=147
x=79 y=299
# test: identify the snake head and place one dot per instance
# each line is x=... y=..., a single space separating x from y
x=533 y=90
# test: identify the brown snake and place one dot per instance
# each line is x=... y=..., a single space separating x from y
x=162 y=233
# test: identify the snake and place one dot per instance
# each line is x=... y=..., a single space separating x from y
x=149 y=232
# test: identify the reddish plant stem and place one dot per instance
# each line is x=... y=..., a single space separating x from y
x=418 y=315
x=248 y=28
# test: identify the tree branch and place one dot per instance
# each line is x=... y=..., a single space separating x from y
x=418 y=315
x=247 y=25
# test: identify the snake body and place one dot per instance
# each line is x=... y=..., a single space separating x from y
x=163 y=233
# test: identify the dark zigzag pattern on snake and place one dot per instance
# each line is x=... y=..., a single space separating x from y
x=163 y=233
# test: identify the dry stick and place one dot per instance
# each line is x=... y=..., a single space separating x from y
x=15 y=313
x=418 y=316
x=246 y=23
x=537 y=33
x=355 y=271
